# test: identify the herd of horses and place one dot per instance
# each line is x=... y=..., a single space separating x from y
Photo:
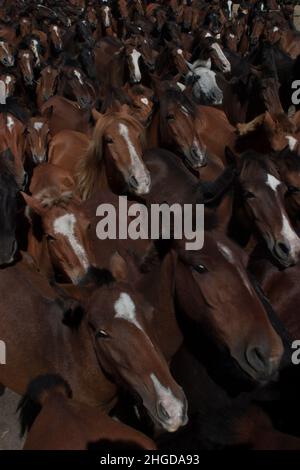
x=141 y=343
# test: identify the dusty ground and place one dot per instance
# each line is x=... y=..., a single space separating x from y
x=9 y=427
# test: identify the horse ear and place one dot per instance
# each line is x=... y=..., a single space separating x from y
x=96 y=115
x=231 y=157
x=118 y=267
x=190 y=66
x=34 y=204
x=73 y=312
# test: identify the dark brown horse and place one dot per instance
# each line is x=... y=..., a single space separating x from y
x=85 y=427
x=91 y=347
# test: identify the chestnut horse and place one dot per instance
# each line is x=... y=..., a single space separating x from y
x=65 y=114
x=37 y=139
x=113 y=158
x=260 y=207
x=114 y=338
x=46 y=85
x=85 y=427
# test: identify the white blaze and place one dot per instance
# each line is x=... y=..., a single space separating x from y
x=291 y=141
x=106 y=17
x=173 y=406
x=135 y=55
x=65 y=225
x=10 y=123
x=125 y=309
x=223 y=59
x=141 y=174
x=79 y=76
x=38 y=126
x=272 y=182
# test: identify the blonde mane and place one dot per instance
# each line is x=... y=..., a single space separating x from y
x=90 y=169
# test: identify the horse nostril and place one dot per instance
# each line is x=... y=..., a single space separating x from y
x=133 y=182
x=257 y=359
x=162 y=412
x=282 y=249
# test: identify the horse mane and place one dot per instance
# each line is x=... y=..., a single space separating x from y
x=251 y=157
x=38 y=390
x=90 y=168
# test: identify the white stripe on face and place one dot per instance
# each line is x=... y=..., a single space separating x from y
x=227 y=253
x=272 y=182
x=173 y=406
x=65 y=225
x=145 y=101
x=79 y=76
x=38 y=126
x=135 y=55
x=106 y=17
x=229 y=3
x=289 y=234
x=223 y=59
x=35 y=51
x=125 y=309
x=287 y=231
x=292 y=142
x=10 y=123
x=140 y=171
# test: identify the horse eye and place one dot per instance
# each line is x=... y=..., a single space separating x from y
x=102 y=334
x=109 y=140
x=170 y=117
x=249 y=195
x=293 y=189
x=50 y=238
x=200 y=268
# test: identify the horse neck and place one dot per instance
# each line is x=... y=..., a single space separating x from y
x=153 y=132
x=158 y=287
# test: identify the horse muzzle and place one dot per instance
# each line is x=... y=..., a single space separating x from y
x=196 y=157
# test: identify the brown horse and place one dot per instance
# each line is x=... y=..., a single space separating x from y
x=85 y=427
x=260 y=206
x=175 y=126
x=46 y=84
x=64 y=241
x=12 y=137
x=26 y=62
x=114 y=338
x=65 y=114
x=193 y=278
x=113 y=159
x=37 y=139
